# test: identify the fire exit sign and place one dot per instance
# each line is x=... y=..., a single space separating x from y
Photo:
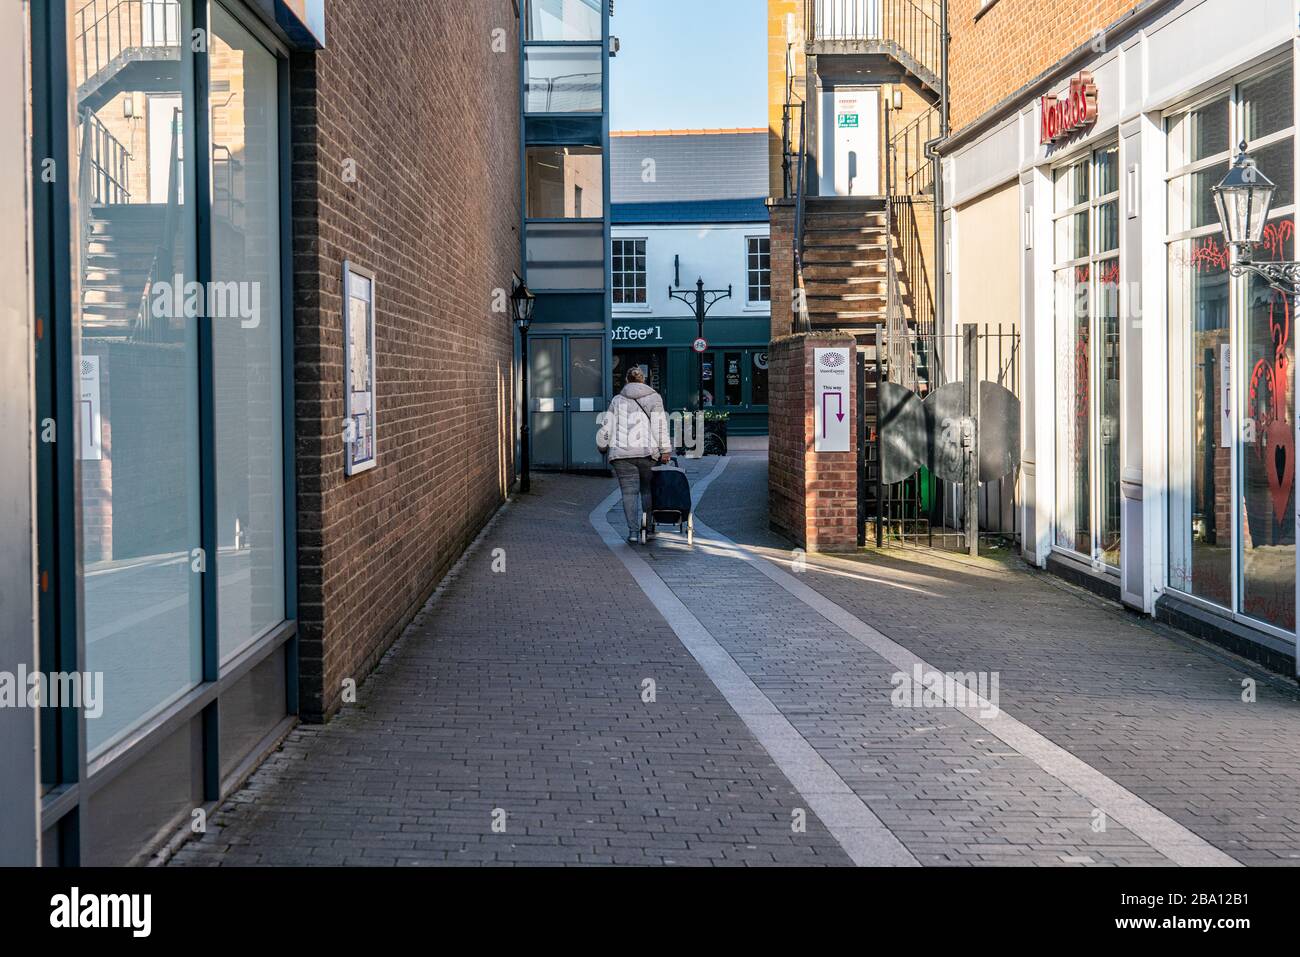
x=848 y=121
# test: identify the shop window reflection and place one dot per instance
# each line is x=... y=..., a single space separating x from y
x=1268 y=449
x=1200 y=559
x=1231 y=372
x=138 y=367
x=246 y=349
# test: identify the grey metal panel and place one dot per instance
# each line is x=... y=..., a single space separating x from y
x=691 y=166
x=19 y=739
x=250 y=710
x=902 y=432
x=999 y=432
x=945 y=408
x=146 y=802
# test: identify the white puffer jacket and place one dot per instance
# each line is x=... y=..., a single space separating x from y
x=635 y=427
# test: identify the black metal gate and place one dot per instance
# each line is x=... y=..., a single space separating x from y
x=939 y=459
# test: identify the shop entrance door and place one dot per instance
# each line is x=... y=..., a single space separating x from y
x=566 y=395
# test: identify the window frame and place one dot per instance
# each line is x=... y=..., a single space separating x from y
x=1238 y=288
x=617 y=286
x=79 y=779
x=751 y=272
x=1092 y=261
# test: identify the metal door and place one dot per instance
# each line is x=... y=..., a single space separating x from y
x=849 y=154
x=566 y=395
x=585 y=400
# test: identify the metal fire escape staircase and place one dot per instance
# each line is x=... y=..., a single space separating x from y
x=860 y=263
x=127 y=244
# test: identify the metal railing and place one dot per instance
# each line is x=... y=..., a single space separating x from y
x=910 y=27
x=898 y=343
x=85 y=192
x=913 y=173
x=107 y=163
x=226 y=203
x=912 y=248
x=795 y=163
x=909 y=180
x=103 y=30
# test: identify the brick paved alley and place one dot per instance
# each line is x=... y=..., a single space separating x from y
x=518 y=699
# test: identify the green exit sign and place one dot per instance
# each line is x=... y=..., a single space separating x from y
x=848 y=121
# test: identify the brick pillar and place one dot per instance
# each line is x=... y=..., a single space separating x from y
x=781 y=212
x=812 y=496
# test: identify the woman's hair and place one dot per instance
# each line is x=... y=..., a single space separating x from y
x=636 y=375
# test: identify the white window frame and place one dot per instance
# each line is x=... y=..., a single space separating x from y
x=751 y=272
x=1096 y=370
x=642 y=287
x=1237 y=292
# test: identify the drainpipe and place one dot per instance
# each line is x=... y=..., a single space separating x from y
x=940 y=285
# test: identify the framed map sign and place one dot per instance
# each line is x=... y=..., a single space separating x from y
x=359 y=428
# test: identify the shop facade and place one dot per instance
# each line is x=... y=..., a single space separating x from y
x=565 y=51
x=1159 y=422
x=221 y=301
x=701 y=218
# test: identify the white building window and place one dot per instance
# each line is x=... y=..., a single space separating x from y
x=629 y=272
x=758 y=269
x=1088 y=355
x=1232 y=531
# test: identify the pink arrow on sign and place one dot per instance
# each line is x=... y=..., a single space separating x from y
x=838 y=415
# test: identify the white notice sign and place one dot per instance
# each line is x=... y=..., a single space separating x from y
x=1225 y=396
x=831 y=397
x=92 y=421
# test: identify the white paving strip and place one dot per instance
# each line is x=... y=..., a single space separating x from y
x=862 y=835
x=1157 y=829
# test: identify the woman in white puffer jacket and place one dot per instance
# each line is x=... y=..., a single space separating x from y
x=635 y=433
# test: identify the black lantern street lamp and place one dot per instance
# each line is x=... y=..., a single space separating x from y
x=700 y=300
x=1243 y=199
x=522 y=302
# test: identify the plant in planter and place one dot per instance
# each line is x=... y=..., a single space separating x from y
x=715 y=432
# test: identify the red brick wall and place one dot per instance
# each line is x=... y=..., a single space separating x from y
x=782 y=214
x=1012 y=43
x=786 y=440
x=414 y=95
x=812 y=497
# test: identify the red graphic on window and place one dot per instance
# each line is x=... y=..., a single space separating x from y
x=1209 y=256
x=1274 y=437
x=1081 y=383
x=1277 y=237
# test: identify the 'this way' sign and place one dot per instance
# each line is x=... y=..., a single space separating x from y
x=831 y=397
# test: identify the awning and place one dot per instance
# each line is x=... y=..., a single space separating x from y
x=300 y=22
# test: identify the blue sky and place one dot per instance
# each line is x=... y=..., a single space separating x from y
x=689 y=64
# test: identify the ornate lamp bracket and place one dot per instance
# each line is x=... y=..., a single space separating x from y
x=1282 y=276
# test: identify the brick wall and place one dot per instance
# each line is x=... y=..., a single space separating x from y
x=782 y=15
x=812 y=497
x=1012 y=43
x=782 y=215
x=415 y=97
